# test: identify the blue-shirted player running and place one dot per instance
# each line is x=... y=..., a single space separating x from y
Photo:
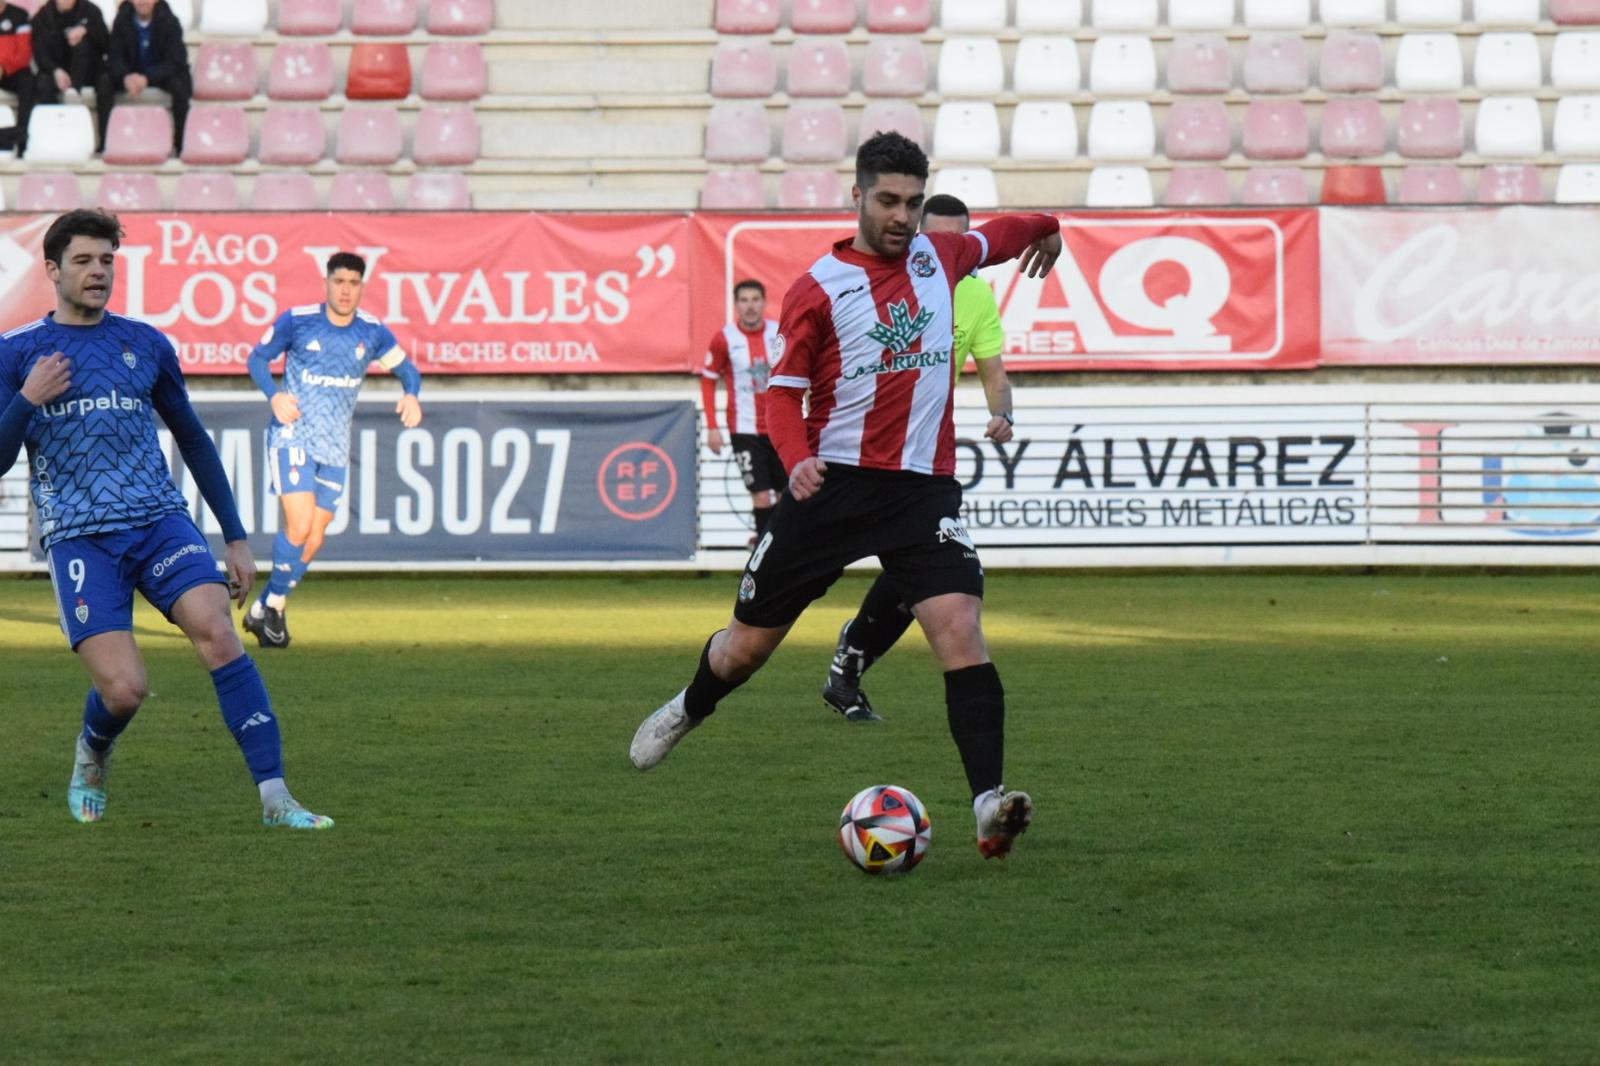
x=329 y=348
x=79 y=387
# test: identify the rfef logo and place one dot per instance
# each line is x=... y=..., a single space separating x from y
x=637 y=481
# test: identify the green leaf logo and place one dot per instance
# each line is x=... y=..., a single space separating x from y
x=902 y=330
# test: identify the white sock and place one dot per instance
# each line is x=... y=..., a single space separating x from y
x=273 y=792
x=277 y=602
x=977 y=801
x=257 y=611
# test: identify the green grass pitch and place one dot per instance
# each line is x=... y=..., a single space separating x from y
x=1281 y=818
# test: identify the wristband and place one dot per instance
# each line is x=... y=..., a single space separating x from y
x=1007 y=416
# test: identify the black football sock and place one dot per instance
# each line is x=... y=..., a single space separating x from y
x=882 y=620
x=707 y=689
x=976 y=704
x=763 y=516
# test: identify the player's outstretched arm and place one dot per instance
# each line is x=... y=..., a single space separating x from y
x=1035 y=239
x=49 y=378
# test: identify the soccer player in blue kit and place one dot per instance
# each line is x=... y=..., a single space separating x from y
x=329 y=348
x=79 y=388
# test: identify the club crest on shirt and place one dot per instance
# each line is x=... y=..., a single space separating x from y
x=82 y=613
x=294 y=476
x=747 y=589
x=922 y=265
x=129 y=358
x=361 y=351
x=775 y=352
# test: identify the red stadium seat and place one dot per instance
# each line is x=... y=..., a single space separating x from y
x=738 y=133
x=138 y=136
x=1432 y=185
x=1430 y=128
x=226 y=71
x=1511 y=183
x=1276 y=63
x=747 y=16
x=1200 y=63
x=216 y=136
x=370 y=136
x=129 y=192
x=436 y=191
x=460 y=18
x=378 y=72
x=384 y=18
x=301 y=72
x=290 y=191
x=1353 y=185
x=1198 y=129
x=292 y=136
x=810 y=189
x=818 y=68
x=733 y=190
x=1276 y=129
x=1576 y=12
x=44 y=191
x=892 y=116
x=309 y=18
x=1352 y=63
x=899 y=16
x=201 y=191
x=454 y=70
x=360 y=190
x=814 y=133
x=1197 y=187
x=1353 y=128
x=446 y=137
x=1274 y=186
x=894 y=66
x=822 y=16
x=743 y=66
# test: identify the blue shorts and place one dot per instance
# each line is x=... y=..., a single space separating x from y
x=294 y=470
x=95 y=575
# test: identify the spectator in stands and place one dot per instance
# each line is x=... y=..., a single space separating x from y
x=16 y=71
x=147 y=51
x=70 y=42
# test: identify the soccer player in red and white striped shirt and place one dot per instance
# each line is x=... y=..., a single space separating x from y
x=866 y=335
x=739 y=355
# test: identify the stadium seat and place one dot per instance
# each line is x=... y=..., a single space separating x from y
x=432 y=190
x=383 y=18
x=311 y=18
x=738 y=133
x=8 y=117
x=1575 y=12
x=1428 y=12
x=301 y=72
x=456 y=70
x=1351 y=63
x=1200 y=64
x=1507 y=62
x=1578 y=183
x=1576 y=131
x=182 y=10
x=1200 y=14
x=369 y=137
x=234 y=18
x=129 y=192
x=446 y=137
x=1352 y=12
x=1275 y=186
x=1197 y=187
x=1122 y=65
x=1432 y=185
x=1511 y=183
x=810 y=189
x=207 y=191
x=814 y=133
x=1353 y=185
x=226 y=71
x=292 y=191
x=741 y=66
x=971 y=66
x=1046 y=66
x=747 y=16
x=1508 y=126
x=898 y=116
x=1353 y=128
x=1276 y=63
x=1428 y=62
x=1505 y=12
x=1430 y=128
x=42 y=191
x=216 y=136
x=378 y=71
x=1276 y=129
x=138 y=136
x=822 y=16
x=1124 y=14
x=818 y=68
x=60 y=133
x=460 y=18
x=972 y=16
x=899 y=16
x=1120 y=187
x=1043 y=132
x=1049 y=16
x=1575 y=60
x=966 y=131
x=1122 y=131
x=1198 y=129
x=733 y=190
x=894 y=66
x=292 y=136
x=1277 y=14
x=360 y=190
x=973 y=186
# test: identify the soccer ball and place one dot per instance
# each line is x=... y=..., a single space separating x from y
x=885 y=830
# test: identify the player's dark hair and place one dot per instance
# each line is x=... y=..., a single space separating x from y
x=945 y=206
x=84 y=222
x=346 y=261
x=889 y=153
x=750 y=283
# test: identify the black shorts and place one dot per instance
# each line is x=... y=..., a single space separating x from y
x=759 y=464
x=911 y=522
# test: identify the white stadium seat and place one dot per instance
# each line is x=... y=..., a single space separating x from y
x=1507 y=62
x=1428 y=62
x=1575 y=60
x=973 y=186
x=972 y=16
x=1508 y=127
x=1200 y=14
x=1120 y=187
x=1046 y=66
x=1578 y=183
x=234 y=18
x=1049 y=16
x=1353 y=12
x=1125 y=14
x=971 y=66
x=60 y=133
x=1122 y=130
x=1428 y=12
x=1277 y=14
x=966 y=131
x=1044 y=132
x=1505 y=12
x=1576 y=131
x=1122 y=65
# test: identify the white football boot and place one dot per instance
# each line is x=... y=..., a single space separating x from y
x=1002 y=817
x=660 y=733
x=86 y=793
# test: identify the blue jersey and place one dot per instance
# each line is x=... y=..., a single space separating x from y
x=324 y=370
x=95 y=464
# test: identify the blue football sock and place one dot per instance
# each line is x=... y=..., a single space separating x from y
x=285 y=557
x=298 y=572
x=100 y=727
x=247 y=710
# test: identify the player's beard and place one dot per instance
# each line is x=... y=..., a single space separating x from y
x=876 y=238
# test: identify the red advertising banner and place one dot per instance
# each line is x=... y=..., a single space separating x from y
x=1460 y=286
x=466 y=294
x=1146 y=291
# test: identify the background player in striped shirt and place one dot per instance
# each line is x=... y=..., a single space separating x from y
x=327 y=349
x=884 y=617
x=79 y=387
x=866 y=337
x=738 y=357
